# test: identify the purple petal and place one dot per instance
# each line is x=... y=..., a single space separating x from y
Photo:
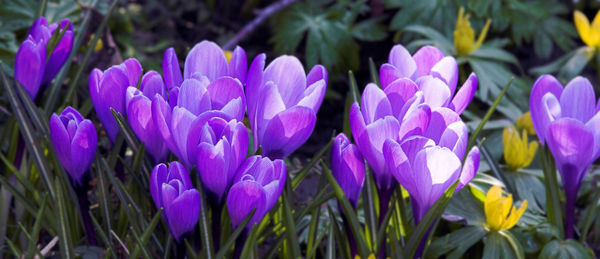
x=455 y=137
x=370 y=144
x=425 y=58
x=577 y=100
x=465 y=94
x=400 y=58
x=112 y=89
x=83 y=149
x=388 y=74
x=469 y=169
x=157 y=178
x=139 y=115
x=544 y=84
x=287 y=73
x=270 y=105
x=572 y=146
x=399 y=165
x=287 y=131
x=29 y=66
x=133 y=69
x=357 y=123
x=181 y=122
x=374 y=104
x=253 y=85
x=435 y=91
x=60 y=141
x=39 y=29
x=225 y=89
x=238 y=64
x=59 y=55
x=152 y=83
x=348 y=167
x=213 y=166
x=177 y=171
x=440 y=119
x=183 y=212
x=317 y=73
x=399 y=92
x=313 y=95
x=594 y=126
x=447 y=70
x=243 y=197
x=161 y=114
x=206 y=58
x=412 y=145
x=171 y=70
x=416 y=122
x=194 y=96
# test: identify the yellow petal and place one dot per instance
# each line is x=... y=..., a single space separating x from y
x=524 y=122
x=515 y=215
x=531 y=150
x=493 y=207
x=464 y=36
x=597 y=18
x=482 y=35
x=228 y=55
x=584 y=29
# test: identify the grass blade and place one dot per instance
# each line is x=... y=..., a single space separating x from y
x=231 y=240
x=143 y=240
x=290 y=225
x=306 y=169
x=66 y=245
x=369 y=208
x=102 y=235
x=374 y=73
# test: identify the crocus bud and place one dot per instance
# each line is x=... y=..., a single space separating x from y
x=282 y=103
x=258 y=184
x=348 y=167
x=221 y=148
x=208 y=59
x=75 y=140
x=172 y=190
x=33 y=69
x=138 y=105
x=107 y=90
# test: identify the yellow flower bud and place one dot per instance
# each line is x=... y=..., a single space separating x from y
x=464 y=35
x=524 y=122
x=589 y=33
x=518 y=152
x=228 y=55
x=499 y=210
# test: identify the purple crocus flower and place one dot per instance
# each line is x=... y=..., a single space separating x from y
x=221 y=147
x=205 y=59
x=426 y=170
x=32 y=70
x=75 y=140
x=568 y=121
x=348 y=167
x=138 y=106
x=429 y=71
x=197 y=101
x=172 y=190
x=108 y=90
x=282 y=103
x=258 y=184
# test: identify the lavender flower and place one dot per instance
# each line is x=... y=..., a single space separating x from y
x=348 y=167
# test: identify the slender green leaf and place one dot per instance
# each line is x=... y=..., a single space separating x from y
x=290 y=225
x=340 y=238
x=103 y=236
x=498 y=172
x=514 y=243
x=553 y=208
x=354 y=93
x=66 y=245
x=363 y=250
x=331 y=242
x=374 y=72
x=369 y=208
x=205 y=227
x=432 y=215
x=143 y=240
x=231 y=240
x=306 y=169
x=35 y=232
x=589 y=216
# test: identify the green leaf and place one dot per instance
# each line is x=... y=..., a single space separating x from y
x=35 y=232
x=143 y=240
x=498 y=172
x=514 y=243
x=290 y=226
x=349 y=213
x=370 y=29
x=576 y=63
x=553 y=208
x=497 y=246
x=66 y=245
x=103 y=236
x=205 y=227
x=438 y=39
x=340 y=238
x=231 y=240
x=565 y=249
x=428 y=221
x=306 y=169
x=369 y=208
x=455 y=244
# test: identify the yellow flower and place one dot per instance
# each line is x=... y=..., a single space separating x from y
x=589 y=33
x=524 y=123
x=228 y=55
x=371 y=256
x=518 y=152
x=464 y=35
x=497 y=209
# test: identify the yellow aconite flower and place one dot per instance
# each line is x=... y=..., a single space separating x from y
x=464 y=35
x=589 y=33
x=228 y=55
x=497 y=209
x=371 y=256
x=518 y=153
x=524 y=123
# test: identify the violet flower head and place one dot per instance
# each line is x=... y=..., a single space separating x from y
x=430 y=72
x=282 y=103
x=221 y=147
x=205 y=59
x=348 y=167
x=258 y=184
x=33 y=68
x=568 y=121
x=197 y=101
x=172 y=190
x=426 y=170
x=108 y=90
x=138 y=105
x=75 y=140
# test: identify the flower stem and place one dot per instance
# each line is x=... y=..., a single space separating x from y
x=84 y=204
